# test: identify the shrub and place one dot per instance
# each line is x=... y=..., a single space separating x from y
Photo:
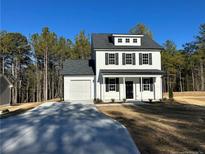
x=150 y=100
x=113 y=100
x=124 y=100
x=97 y=100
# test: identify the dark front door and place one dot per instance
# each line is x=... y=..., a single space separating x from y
x=129 y=89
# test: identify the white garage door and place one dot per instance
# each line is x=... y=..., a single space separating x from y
x=80 y=90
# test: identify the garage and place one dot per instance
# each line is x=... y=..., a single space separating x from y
x=78 y=77
x=80 y=89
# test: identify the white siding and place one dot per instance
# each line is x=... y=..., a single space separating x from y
x=100 y=64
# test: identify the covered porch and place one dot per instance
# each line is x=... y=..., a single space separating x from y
x=135 y=86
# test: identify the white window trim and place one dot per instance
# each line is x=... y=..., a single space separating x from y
x=109 y=59
x=126 y=58
x=147 y=58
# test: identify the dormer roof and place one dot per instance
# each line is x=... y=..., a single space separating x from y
x=106 y=41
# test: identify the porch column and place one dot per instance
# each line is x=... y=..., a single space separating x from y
x=123 y=93
x=103 y=88
x=141 y=87
x=153 y=84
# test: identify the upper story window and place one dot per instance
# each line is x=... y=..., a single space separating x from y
x=119 y=40
x=127 y=40
x=128 y=58
x=134 y=40
x=145 y=58
x=111 y=58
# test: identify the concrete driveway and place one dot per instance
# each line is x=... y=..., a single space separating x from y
x=62 y=128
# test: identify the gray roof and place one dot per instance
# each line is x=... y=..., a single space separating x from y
x=105 y=41
x=78 y=67
x=131 y=72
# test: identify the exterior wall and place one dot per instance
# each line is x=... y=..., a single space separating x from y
x=68 y=79
x=100 y=64
x=5 y=91
x=156 y=60
x=138 y=95
x=127 y=44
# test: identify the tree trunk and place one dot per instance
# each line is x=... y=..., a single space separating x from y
x=180 y=80
x=193 y=80
x=202 y=74
x=27 y=91
x=3 y=65
x=37 y=83
x=46 y=74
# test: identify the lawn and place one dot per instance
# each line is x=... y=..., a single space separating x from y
x=162 y=128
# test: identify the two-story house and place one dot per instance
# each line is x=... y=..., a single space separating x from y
x=122 y=66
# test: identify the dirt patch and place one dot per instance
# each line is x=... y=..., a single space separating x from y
x=8 y=110
x=162 y=128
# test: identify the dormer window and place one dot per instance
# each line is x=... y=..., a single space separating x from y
x=134 y=40
x=127 y=40
x=119 y=40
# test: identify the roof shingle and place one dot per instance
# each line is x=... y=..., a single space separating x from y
x=78 y=67
x=105 y=41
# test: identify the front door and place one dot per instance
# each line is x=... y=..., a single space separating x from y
x=129 y=89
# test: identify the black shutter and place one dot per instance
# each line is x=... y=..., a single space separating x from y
x=106 y=58
x=107 y=84
x=117 y=84
x=133 y=58
x=140 y=58
x=116 y=58
x=151 y=84
x=123 y=58
x=150 y=58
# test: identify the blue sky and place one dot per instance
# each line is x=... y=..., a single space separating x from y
x=177 y=20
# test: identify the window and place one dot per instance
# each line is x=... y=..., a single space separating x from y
x=128 y=58
x=127 y=40
x=119 y=40
x=146 y=84
x=134 y=40
x=112 y=84
x=111 y=58
x=145 y=58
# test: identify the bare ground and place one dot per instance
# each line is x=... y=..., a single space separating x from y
x=21 y=107
x=162 y=128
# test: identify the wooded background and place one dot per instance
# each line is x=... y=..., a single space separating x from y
x=34 y=64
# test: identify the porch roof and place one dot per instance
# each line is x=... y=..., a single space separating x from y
x=131 y=72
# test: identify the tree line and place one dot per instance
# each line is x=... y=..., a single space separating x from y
x=34 y=64
x=184 y=68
